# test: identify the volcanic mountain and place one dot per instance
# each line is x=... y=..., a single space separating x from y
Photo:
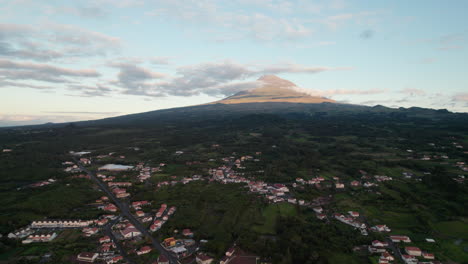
x=273 y=89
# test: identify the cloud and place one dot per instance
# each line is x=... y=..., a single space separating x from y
x=213 y=78
x=333 y=22
x=59 y=117
x=160 y=60
x=413 y=92
x=454 y=41
x=82 y=112
x=51 y=41
x=22 y=120
x=135 y=79
x=11 y=70
x=90 y=91
x=5 y=84
x=241 y=23
x=93 y=12
x=460 y=97
x=351 y=92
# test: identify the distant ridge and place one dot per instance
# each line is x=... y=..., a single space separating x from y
x=273 y=89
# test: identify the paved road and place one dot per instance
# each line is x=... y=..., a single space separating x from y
x=126 y=212
x=108 y=231
x=395 y=248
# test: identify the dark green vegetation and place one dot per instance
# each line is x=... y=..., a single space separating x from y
x=295 y=140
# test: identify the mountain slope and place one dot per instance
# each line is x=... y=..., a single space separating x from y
x=273 y=89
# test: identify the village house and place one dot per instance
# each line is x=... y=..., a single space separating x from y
x=110 y=207
x=171 y=210
x=104 y=239
x=87 y=257
x=187 y=232
x=281 y=187
x=130 y=232
x=428 y=255
x=105 y=248
x=146 y=219
x=21 y=233
x=387 y=256
x=156 y=225
x=373 y=250
x=377 y=243
x=60 y=223
x=144 y=250
x=339 y=186
x=108 y=179
x=170 y=242
x=408 y=259
x=140 y=213
x=355 y=183
x=353 y=214
x=119 y=184
x=40 y=238
x=89 y=231
x=413 y=251
x=398 y=239
x=318 y=209
x=230 y=251
x=102 y=222
x=114 y=259
x=380 y=228
x=162 y=260
x=180 y=251
x=137 y=205
x=203 y=259
x=321 y=216
x=85 y=161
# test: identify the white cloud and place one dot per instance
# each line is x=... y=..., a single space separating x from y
x=52 y=41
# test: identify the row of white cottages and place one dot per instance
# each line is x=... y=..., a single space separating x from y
x=61 y=223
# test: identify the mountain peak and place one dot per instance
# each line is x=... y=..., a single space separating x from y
x=276 y=81
x=274 y=89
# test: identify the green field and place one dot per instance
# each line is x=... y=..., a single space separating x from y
x=270 y=215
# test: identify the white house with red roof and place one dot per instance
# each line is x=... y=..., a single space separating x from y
x=353 y=214
x=408 y=259
x=281 y=187
x=187 y=232
x=114 y=259
x=377 y=243
x=130 y=232
x=203 y=259
x=398 y=238
x=87 y=257
x=140 y=213
x=104 y=239
x=413 y=251
x=144 y=250
x=381 y=228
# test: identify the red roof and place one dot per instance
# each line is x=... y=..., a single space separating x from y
x=117 y=258
x=162 y=258
x=203 y=257
x=412 y=249
x=145 y=248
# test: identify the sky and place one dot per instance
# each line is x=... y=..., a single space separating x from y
x=63 y=61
